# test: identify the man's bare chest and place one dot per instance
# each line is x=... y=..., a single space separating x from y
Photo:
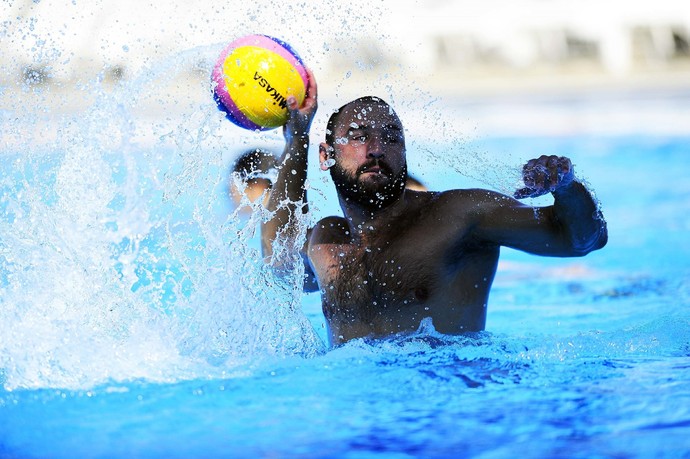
x=356 y=278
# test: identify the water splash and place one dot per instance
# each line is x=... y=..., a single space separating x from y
x=120 y=255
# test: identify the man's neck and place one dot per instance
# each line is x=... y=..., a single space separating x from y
x=368 y=220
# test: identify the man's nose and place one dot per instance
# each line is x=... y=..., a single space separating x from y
x=375 y=148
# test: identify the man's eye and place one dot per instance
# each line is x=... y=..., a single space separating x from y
x=392 y=138
x=360 y=138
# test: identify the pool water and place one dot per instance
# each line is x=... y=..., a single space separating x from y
x=136 y=318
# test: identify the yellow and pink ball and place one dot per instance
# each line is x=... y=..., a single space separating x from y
x=253 y=78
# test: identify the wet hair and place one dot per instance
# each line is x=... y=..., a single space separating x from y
x=254 y=162
x=333 y=120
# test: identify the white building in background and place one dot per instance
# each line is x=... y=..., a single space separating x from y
x=68 y=40
x=616 y=34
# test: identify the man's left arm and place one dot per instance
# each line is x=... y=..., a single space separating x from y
x=574 y=206
x=572 y=226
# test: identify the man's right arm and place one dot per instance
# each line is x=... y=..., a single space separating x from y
x=287 y=200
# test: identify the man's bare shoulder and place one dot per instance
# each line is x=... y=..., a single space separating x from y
x=467 y=200
x=330 y=230
x=474 y=194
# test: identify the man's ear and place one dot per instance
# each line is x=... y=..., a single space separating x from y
x=324 y=155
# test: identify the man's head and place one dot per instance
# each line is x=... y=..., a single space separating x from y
x=366 y=139
x=253 y=168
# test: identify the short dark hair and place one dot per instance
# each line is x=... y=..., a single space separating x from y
x=333 y=120
x=251 y=162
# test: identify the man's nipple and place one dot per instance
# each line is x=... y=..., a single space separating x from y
x=421 y=294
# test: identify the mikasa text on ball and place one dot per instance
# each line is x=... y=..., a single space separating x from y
x=253 y=78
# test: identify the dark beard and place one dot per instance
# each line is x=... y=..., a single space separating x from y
x=371 y=195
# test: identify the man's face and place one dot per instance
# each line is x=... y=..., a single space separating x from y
x=370 y=166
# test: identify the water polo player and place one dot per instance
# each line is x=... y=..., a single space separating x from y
x=397 y=256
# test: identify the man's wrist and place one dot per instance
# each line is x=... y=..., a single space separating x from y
x=568 y=188
x=291 y=138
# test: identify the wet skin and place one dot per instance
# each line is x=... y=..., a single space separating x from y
x=398 y=256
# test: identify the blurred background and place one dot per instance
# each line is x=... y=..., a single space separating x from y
x=473 y=52
x=66 y=40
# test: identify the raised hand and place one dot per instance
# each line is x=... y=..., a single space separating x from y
x=545 y=174
x=300 y=118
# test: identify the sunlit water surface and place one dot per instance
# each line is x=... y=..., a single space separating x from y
x=137 y=320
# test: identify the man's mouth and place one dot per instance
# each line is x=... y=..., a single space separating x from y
x=375 y=169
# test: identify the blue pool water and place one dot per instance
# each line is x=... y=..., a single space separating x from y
x=136 y=319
